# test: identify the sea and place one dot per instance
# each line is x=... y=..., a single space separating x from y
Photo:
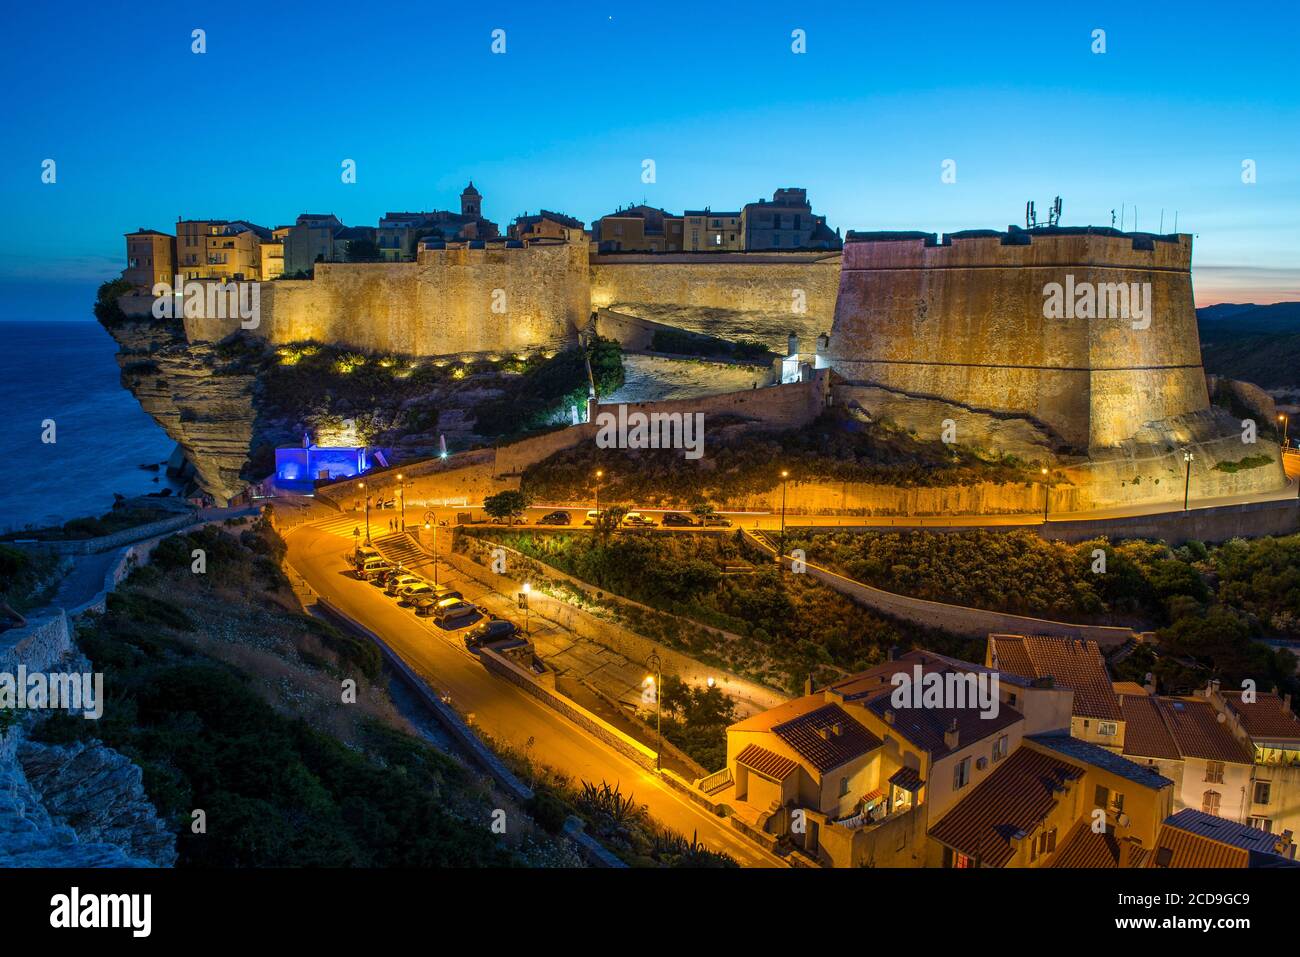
x=65 y=372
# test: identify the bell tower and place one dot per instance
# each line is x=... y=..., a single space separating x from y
x=471 y=202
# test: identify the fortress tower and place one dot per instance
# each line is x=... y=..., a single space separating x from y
x=1090 y=333
x=471 y=202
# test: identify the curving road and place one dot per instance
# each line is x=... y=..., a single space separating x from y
x=497 y=708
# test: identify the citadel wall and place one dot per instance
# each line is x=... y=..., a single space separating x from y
x=963 y=321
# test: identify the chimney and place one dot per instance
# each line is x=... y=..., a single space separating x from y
x=950 y=737
x=808 y=684
x=1149 y=684
x=889 y=716
x=824 y=733
x=891 y=653
x=792 y=343
x=823 y=343
x=1212 y=688
x=836 y=729
x=1286 y=702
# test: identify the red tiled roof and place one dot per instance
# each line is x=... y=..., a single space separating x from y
x=909 y=779
x=827 y=738
x=1011 y=801
x=767 y=763
x=1268 y=717
x=1178 y=848
x=1084 y=847
x=1145 y=734
x=1199 y=733
x=1077 y=665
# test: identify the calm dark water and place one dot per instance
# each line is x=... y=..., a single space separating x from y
x=65 y=371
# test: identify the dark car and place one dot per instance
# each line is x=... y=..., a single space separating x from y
x=678 y=520
x=484 y=633
x=555 y=518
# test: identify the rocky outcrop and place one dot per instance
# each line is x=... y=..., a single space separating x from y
x=98 y=793
x=209 y=414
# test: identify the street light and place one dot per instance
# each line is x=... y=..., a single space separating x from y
x=523 y=603
x=362 y=485
x=784 y=475
x=401 y=495
x=599 y=475
x=655 y=681
x=1187 y=483
x=1047 y=494
x=431 y=521
x=1285 y=427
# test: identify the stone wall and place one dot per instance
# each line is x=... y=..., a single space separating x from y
x=729 y=295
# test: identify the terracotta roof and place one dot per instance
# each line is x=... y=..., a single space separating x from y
x=1145 y=733
x=1268 y=717
x=769 y=719
x=1178 y=848
x=1084 y=847
x=1223 y=830
x=1077 y=665
x=827 y=738
x=1128 y=687
x=1011 y=801
x=909 y=779
x=925 y=727
x=767 y=763
x=1099 y=757
x=1199 y=733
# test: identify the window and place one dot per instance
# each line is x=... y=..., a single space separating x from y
x=1214 y=772
x=961 y=774
x=1011 y=699
x=1108 y=800
x=1210 y=803
x=1107 y=728
x=1000 y=748
x=844 y=786
x=1263 y=790
x=1263 y=823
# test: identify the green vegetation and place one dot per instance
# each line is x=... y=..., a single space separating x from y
x=1208 y=604
x=696 y=719
x=107 y=311
x=277 y=790
x=26 y=577
x=741 y=463
x=788 y=626
x=1268 y=360
x=545 y=393
x=118 y=520
x=505 y=506
x=1249 y=462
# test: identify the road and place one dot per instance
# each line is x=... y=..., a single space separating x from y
x=499 y=709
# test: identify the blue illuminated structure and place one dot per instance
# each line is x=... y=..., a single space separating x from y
x=303 y=465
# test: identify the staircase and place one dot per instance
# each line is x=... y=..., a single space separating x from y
x=400 y=549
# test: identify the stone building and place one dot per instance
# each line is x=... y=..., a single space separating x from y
x=546 y=226
x=398 y=234
x=638 y=228
x=309 y=241
x=704 y=229
x=785 y=222
x=150 y=259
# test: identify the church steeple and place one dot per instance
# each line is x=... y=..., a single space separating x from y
x=471 y=202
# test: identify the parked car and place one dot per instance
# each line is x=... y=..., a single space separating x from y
x=555 y=518
x=363 y=554
x=486 y=632
x=411 y=593
x=396 y=583
x=637 y=520
x=678 y=520
x=426 y=602
x=373 y=567
x=715 y=521
x=451 y=610
x=446 y=591
x=592 y=515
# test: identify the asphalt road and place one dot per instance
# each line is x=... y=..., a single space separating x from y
x=499 y=709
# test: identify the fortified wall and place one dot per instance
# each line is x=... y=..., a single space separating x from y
x=760 y=296
x=449 y=301
x=963 y=320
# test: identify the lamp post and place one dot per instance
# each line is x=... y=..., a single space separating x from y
x=655 y=681
x=1047 y=494
x=1187 y=483
x=599 y=475
x=780 y=558
x=401 y=497
x=525 y=591
x=362 y=486
x=431 y=521
x=1285 y=428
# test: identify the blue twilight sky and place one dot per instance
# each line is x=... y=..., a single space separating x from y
x=143 y=130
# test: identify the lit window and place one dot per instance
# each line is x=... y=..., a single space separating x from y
x=961 y=774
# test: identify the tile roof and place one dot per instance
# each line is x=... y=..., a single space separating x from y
x=769 y=719
x=1071 y=663
x=1084 y=847
x=827 y=738
x=1145 y=733
x=1268 y=717
x=767 y=763
x=1223 y=830
x=1199 y=733
x=1178 y=848
x=909 y=779
x=1099 y=757
x=1010 y=802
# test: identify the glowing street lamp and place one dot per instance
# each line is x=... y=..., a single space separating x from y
x=599 y=475
x=1187 y=483
x=431 y=521
x=784 y=476
x=401 y=496
x=1285 y=427
x=362 y=485
x=1047 y=493
x=525 y=591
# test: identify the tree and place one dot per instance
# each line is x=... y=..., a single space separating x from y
x=608 y=520
x=363 y=251
x=506 y=505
